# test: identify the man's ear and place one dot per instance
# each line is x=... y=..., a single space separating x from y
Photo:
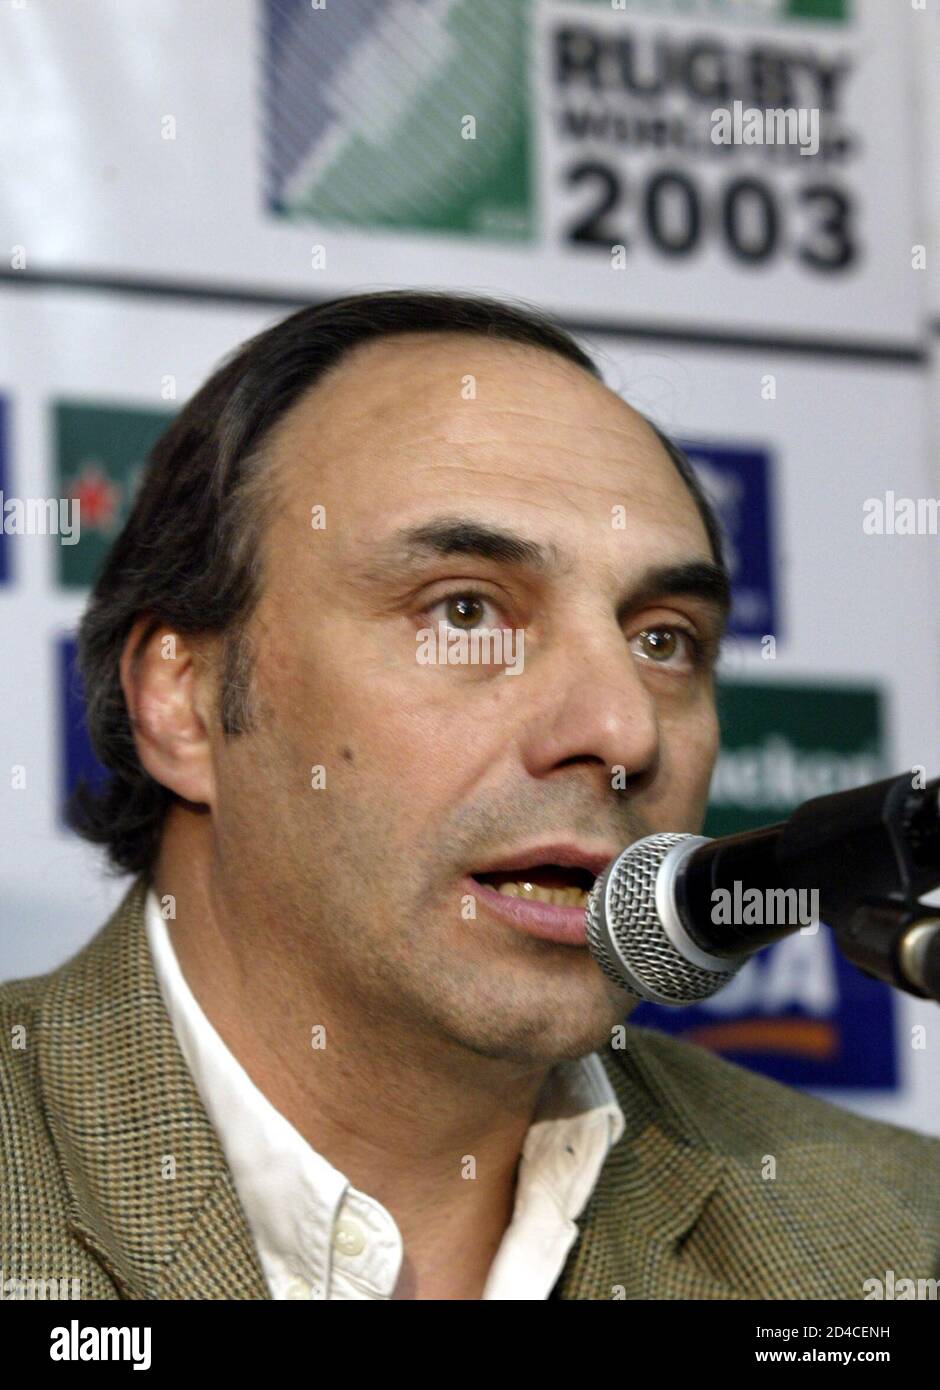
x=167 y=683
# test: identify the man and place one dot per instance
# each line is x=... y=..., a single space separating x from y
x=343 y=1038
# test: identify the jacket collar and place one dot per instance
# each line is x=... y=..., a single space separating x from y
x=151 y=1196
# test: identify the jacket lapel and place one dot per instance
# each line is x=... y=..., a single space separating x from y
x=149 y=1192
x=652 y=1189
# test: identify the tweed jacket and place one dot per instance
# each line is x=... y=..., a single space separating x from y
x=95 y=1098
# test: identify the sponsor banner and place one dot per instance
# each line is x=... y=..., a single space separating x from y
x=360 y=132
x=77 y=759
x=737 y=483
x=676 y=144
x=357 y=135
x=798 y=1011
x=723 y=147
x=100 y=454
x=786 y=743
x=738 y=166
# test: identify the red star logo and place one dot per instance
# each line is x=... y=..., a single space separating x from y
x=97 y=496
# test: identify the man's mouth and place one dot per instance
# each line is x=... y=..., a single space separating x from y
x=542 y=891
x=562 y=885
x=560 y=874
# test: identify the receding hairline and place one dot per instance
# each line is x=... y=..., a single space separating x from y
x=352 y=358
x=270 y=494
x=430 y=337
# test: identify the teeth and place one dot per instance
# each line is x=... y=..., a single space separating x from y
x=561 y=897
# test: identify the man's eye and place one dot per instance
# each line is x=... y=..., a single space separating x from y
x=464 y=611
x=663 y=644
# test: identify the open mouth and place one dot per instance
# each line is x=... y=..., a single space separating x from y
x=559 y=884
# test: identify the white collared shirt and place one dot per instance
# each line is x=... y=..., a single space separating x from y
x=316 y=1235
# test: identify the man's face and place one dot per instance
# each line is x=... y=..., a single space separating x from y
x=430 y=456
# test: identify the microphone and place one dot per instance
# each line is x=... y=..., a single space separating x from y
x=673 y=918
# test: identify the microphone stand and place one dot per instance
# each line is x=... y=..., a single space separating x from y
x=889 y=834
x=898 y=942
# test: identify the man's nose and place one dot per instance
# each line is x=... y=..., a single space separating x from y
x=595 y=708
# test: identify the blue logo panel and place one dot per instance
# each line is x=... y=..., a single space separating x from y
x=737 y=483
x=78 y=758
x=798 y=1012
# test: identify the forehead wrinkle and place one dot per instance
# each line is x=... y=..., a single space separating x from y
x=631 y=437
x=490 y=441
x=361 y=426
x=452 y=415
x=572 y=491
x=620 y=454
x=633 y=424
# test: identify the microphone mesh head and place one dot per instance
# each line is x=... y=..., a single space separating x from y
x=628 y=938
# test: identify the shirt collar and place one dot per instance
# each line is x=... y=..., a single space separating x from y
x=291 y=1194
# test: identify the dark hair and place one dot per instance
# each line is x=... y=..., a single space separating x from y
x=188 y=555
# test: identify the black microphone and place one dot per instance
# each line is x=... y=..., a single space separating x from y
x=674 y=917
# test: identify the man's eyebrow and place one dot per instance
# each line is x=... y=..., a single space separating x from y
x=447 y=536
x=696 y=578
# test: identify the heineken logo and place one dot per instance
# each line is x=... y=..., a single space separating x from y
x=100 y=453
x=778 y=775
x=98 y=499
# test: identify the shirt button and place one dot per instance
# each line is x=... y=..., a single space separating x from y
x=297 y=1288
x=348 y=1238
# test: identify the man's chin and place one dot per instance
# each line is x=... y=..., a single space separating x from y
x=508 y=995
x=543 y=1029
